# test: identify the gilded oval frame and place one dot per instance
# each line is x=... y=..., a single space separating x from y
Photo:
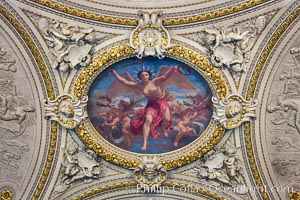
x=173 y=159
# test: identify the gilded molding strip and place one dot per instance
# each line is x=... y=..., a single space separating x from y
x=150 y=8
x=251 y=158
x=133 y=22
x=214 y=14
x=197 y=153
x=104 y=188
x=213 y=74
x=202 y=191
x=49 y=161
x=50 y=91
x=80 y=87
x=87 y=15
x=88 y=140
x=127 y=184
x=250 y=94
x=100 y=61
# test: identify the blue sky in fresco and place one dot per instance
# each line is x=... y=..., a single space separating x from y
x=131 y=65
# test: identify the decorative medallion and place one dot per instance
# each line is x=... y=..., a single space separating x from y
x=150 y=172
x=150 y=38
x=66 y=110
x=233 y=110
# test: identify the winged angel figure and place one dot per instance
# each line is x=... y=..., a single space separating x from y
x=156 y=112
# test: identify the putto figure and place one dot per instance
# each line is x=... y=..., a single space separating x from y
x=156 y=113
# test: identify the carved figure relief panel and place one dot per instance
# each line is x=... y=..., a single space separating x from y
x=282 y=116
x=18 y=126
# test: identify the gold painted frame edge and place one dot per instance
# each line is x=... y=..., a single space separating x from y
x=115 y=53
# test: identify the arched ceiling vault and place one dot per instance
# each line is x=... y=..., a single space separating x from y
x=66 y=117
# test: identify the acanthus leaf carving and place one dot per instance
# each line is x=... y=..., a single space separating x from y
x=233 y=110
x=150 y=38
x=67 y=110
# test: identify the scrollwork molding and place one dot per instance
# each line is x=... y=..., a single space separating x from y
x=66 y=110
x=233 y=110
x=150 y=38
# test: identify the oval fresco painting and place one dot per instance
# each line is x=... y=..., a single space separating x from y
x=150 y=105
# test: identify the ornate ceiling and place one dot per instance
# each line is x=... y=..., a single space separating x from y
x=233 y=102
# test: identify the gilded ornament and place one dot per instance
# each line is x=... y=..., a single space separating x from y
x=132 y=184
x=295 y=195
x=150 y=37
x=150 y=172
x=66 y=110
x=81 y=13
x=110 y=155
x=214 y=14
x=6 y=194
x=233 y=110
x=167 y=22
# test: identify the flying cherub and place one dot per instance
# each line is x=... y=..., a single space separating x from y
x=184 y=125
x=122 y=112
x=157 y=112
